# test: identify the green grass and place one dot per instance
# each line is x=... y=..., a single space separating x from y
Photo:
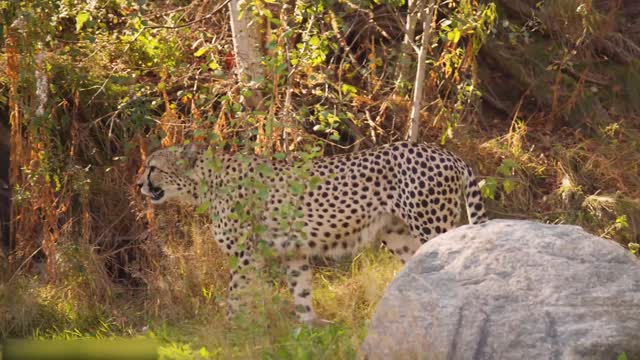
x=345 y=294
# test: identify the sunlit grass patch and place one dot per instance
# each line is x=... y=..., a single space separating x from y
x=350 y=295
x=289 y=341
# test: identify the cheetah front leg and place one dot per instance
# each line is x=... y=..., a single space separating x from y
x=241 y=279
x=299 y=277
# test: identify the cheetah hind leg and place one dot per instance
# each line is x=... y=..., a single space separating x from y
x=397 y=238
x=299 y=277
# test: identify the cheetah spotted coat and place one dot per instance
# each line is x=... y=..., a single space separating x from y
x=400 y=194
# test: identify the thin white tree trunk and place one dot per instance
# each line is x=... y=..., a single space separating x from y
x=426 y=14
x=42 y=85
x=246 y=43
x=407 y=45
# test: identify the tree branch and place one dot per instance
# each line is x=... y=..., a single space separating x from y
x=426 y=15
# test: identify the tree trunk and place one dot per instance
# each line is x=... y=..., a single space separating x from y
x=406 y=49
x=246 y=43
x=426 y=14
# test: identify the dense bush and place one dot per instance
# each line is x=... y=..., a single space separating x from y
x=541 y=97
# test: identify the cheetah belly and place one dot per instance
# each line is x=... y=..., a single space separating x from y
x=329 y=241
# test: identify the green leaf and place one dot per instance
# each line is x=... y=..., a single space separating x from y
x=622 y=356
x=488 y=187
x=204 y=353
x=260 y=229
x=506 y=167
x=348 y=90
x=81 y=19
x=315 y=181
x=299 y=225
x=200 y=51
x=509 y=185
x=454 y=35
x=233 y=262
x=296 y=188
x=202 y=208
x=265 y=169
x=279 y=156
x=456 y=38
x=215 y=165
x=314 y=41
x=283 y=225
x=622 y=222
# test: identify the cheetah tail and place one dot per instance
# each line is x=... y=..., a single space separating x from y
x=475 y=205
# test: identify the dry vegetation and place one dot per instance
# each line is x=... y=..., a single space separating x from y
x=544 y=102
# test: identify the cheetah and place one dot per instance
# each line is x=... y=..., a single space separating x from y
x=401 y=194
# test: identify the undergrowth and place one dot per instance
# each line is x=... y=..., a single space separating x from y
x=192 y=325
x=533 y=101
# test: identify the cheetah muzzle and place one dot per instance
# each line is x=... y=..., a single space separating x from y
x=399 y=195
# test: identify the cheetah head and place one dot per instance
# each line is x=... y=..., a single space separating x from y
x=168 y=174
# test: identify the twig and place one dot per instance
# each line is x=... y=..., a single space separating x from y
x=24 y=263
x=355 y=131
x=370 y=17
x=213 y=12
x=155 y=27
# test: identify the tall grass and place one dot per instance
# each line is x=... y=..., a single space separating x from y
x=183 y=305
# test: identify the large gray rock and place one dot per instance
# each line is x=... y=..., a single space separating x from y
x=511 y=290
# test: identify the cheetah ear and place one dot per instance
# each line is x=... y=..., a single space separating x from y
x=190 y=153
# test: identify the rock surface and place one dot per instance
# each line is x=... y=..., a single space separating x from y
x=511 y=289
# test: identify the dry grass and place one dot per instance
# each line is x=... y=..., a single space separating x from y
x=117 y=269
x=183 y=304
